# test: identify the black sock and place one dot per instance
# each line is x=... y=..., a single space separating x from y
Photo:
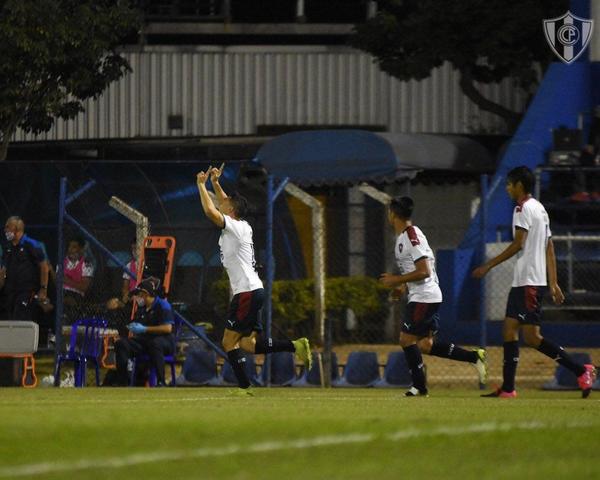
x=509 y=370
x=453 y=352
x=268 y=345
x=238 y=363
x=416 y=366
x=563 y=358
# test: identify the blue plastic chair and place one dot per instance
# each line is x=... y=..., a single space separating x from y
x=396 y=373
x=89 y=350
x=312 y=378
x=170 y=360
x=283 y=369
x=362 y=370
x=200 y=367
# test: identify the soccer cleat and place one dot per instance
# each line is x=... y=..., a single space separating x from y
x=586 y=380
x=499 y=393
x=415 y=392
x=302 y=347
x=242 y=392
x=481 y=365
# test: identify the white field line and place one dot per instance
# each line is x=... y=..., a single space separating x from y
x=35 y=469
x=393 y=394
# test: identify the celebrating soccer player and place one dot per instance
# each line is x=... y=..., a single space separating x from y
x=237 y=255
x=416 y=262
x=534 y=270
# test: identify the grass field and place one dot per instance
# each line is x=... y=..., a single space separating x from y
x=290 y=434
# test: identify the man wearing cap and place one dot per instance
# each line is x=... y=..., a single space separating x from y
x=151 y=329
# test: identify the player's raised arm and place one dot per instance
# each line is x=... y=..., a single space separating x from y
x=511 y=250
x=557 y=295
x=215 y=174
x=207 y=204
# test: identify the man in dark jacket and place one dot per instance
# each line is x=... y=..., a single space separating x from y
x=23 y=271
x=152 y=332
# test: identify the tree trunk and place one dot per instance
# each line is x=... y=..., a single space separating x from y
x=4 y=141
x=467 y=85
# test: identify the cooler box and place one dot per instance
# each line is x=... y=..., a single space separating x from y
x=18 y=336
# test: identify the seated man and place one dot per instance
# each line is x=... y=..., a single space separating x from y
x=152 y=332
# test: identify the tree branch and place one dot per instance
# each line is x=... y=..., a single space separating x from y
x=467 y=85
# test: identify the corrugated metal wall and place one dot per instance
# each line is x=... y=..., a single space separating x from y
x=229 y=91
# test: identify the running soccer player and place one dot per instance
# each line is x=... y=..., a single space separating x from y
x=237 y=255
x=534 y=270
x=416 y=262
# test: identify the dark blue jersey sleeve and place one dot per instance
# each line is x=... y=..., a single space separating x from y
x=166 y=312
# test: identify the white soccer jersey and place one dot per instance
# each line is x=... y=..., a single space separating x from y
x=412 y=245
x=237 y=255
x=531 y=259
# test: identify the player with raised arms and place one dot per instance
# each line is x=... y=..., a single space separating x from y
x=243 y=328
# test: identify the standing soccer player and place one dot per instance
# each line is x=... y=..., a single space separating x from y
x=534 y=270
x=416 y=262
x=237 y=255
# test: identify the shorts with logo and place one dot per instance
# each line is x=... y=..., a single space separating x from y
x=422 y=319
x=525 y=304
x=244 y=312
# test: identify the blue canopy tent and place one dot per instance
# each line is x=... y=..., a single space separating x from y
x=327 y=157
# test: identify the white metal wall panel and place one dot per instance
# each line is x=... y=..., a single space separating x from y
x=230 y=91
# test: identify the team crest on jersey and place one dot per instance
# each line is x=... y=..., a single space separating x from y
x=400 y=247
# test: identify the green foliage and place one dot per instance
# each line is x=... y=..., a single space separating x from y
x=56 y=54
x=486 y=40
x=294 y=301
x=364 y=295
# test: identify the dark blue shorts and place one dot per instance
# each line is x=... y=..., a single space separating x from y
x=422 y=319
x=525 y=304
x=244 y=312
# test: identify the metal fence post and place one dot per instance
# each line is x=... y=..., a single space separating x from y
x=62 y=202
x=484 y=224
x=272 y=194
x=269 y=273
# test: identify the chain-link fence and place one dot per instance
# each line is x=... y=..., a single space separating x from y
x=363 y=324
x=353 y=244
x=363 y=321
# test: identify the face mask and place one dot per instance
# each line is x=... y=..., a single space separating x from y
x=140 y=301
x=10 y=236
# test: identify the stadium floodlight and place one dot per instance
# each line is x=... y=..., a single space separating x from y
x=142 y=226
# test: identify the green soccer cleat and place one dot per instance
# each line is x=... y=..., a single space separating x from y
x=242 y=392
x=481 y=366
x=302 y=347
